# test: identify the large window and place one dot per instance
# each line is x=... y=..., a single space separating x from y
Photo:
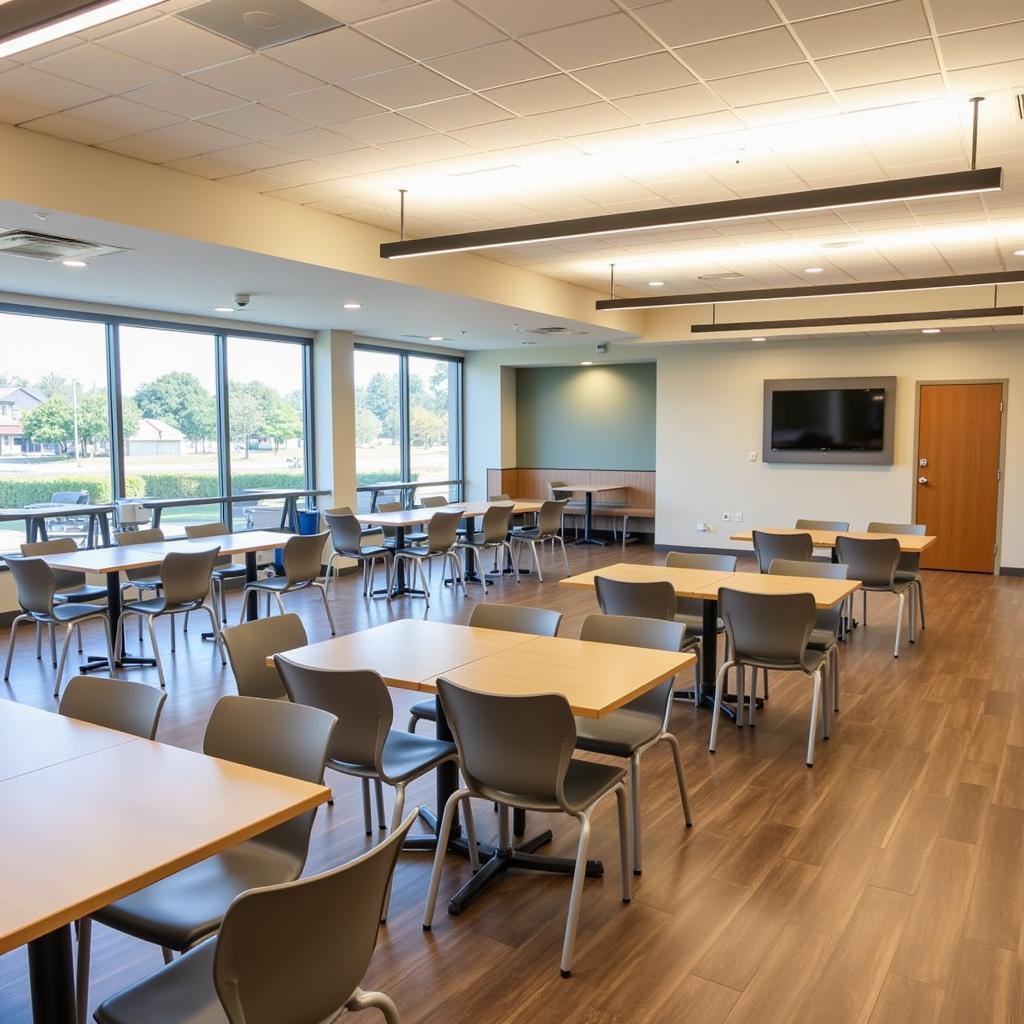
x=408 y=421
x=170 y=393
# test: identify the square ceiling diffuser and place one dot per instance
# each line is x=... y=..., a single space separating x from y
x=259 y=24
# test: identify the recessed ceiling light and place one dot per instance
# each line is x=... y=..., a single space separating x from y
x=1018 y=252
x=587 y=362
x=224 y=309
x=814 y=270
x=848 y=244
x=353 y=305
x=655 y=284
x=74 y=263
x=931 y=330
x=436 y=337
x=758 y=339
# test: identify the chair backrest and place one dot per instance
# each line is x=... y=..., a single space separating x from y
x=442 y=530
x=114 y=703
x=251 y=643
x=389 y=506
x=186 y=575
x=830 y=618
x=70 y=498
x=359 y=699
x=433 y=501
x=698 y=560
x=654 y=600
x=515 y=618
x=511 y=746
x=910 y=561
x=280 y=737
x=559 y=490
x=196 y=531
x=496 y=522
x=36 y=583
x=833 y=525
x=66 y=578
x=796 y=547
x=302 y=554
x=549 y=519
x=341 y=510
x=153 y=535
x=631 y=631
x=872 y=560
x=768 y=629
x=346 y=533
x=498 y=497
x=298 y=951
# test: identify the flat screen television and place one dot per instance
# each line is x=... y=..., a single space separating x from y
x=829 y=420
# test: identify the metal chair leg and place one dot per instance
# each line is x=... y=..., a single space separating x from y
x=156 y=650
x=717 y=713
x=669 y=738
x=83 y=955
x=10 y=644
x=367 y=819
x=327 y=607
x=576 y=896
x=379 y=789
x=217 y=638
x=53 y=646
x=361 y=1000
x=899 y=625
x=634 y=797
x=280 y=603
x=63 y=657
x=624 y=865
x=443 y=835
x=815 y=705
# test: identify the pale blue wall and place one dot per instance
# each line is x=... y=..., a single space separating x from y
x=586 y=417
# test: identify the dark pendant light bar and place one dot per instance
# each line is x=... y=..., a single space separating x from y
x=809 y=291
x=928 y=186
x=754 y=326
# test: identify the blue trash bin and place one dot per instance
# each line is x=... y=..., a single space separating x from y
x=309 y=523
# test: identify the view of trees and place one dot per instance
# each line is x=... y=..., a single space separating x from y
x=377 y=409
x=53 y=421
x=180 y=399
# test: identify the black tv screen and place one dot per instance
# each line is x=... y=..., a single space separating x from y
x=828 y=420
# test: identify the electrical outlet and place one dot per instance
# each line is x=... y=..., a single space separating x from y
x=737 y=517
x=726 y=518
x=752 y=456
x=702 y=527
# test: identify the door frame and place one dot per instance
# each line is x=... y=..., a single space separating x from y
x=1005 y=382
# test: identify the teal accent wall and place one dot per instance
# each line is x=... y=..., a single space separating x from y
x=586 y=417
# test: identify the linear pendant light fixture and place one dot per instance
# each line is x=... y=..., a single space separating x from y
x=810 y=291
x=752 y=326
x=25 y=24
x=929 y=186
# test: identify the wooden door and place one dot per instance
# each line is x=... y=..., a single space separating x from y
x=959 y=432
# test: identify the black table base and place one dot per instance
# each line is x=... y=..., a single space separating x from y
x=96 y=663
x=52 y=978
x=588 y=522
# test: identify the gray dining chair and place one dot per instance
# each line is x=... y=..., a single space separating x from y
x=349 y=541
x=644 y=722
x=442 y=533
x=148 y=577
x=548 y=528
x=433 y=501
x=179 y=911
x=113 y=703
x=827 y=525
x=512 y=618
x=301 y=559
x=364 y=745
x=493 y=537
x=280 y=954
x=909 y=565
x=517 y=752
x=390 y=532
x=794 y=547
x=828 y=625
x=770 y=631
x=36 y=584
x=223 y=569
x=519 y=519
x=185 y=585
x=873 y=561
x=372 y=535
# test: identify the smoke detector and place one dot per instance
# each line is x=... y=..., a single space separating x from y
x=259 y=24
x=545 y=331
x=34 y=245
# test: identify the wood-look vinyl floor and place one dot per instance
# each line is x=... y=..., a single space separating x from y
x=885 y=885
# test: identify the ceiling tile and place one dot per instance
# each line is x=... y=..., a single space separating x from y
x=251 y=156
x=970 y=81
x=92 y=65
x=594 y=117
x=256 y=121
x=502 y=135
x=698 y=125
x=64 y=126
x=324 y=106
x=458 y=112
x=592 y=42
x=175 y=142
x=497 y=64
x=255 y=181
x=185 y=97
x=124 y=115
x=655 y=72
x=679 y=22
x=29 y=85
x=616 y=139
x=351 y=11
x=405 y=87
x=304 y=194
x=338 y=55
x=909 y=91
x=427 y=149
x=957 y=16
x=766 y=86
x=256 y=77
x=303 y=172
x=670 y=103
x=736 y=55
x=802 y=108
x=870 y=67
x=864 y=29
x=542 y=94
x=794 y=10
x=522 y=16
x=365 y=161
x=109 y=28
x=432 y=29
x=174 y=44
x=315 y=142
x=383 y=128
x=14 y=111
x=206 y=166
x=985 y=46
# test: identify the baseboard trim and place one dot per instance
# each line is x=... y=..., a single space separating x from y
x=1011 y=570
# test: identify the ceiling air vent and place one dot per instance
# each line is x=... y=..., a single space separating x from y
x=1020 y=105
x=259 y=24
x=553 y=330
x=36 y=246
x=727 y=275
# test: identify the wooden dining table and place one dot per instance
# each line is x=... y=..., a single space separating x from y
x=92 y=814
x=910 y=543
x=410 y=654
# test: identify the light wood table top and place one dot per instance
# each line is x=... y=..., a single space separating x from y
x=128 y=815
x=686 y=582
x=909 y=542
x=826 y=593
x=230 y=543
x=590 y=488
x=418 y=516
x=407 y=651
x=594 y=678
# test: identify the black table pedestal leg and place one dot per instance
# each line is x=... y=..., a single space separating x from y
x=252 y=600
x=95 y=663
x=52 y=978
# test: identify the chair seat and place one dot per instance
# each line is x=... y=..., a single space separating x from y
x=533 y=533
x=415 y=538
x=159 y=605
x=73 y=612
x=479 y=540
x=233 y=570
x=813 y=660
x=586 y=782
x=185 y=907
x=75 y=595
x=906 y=576
x=618 y=734
x=695 y=623
x=183 y=991
x=405 y=756
x=277 y=584
x=425 y=709
x=149 y=582
x=421 y=552
x=821 y=639
x=370 y=551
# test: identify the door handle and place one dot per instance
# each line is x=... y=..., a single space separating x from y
x=922 y=479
